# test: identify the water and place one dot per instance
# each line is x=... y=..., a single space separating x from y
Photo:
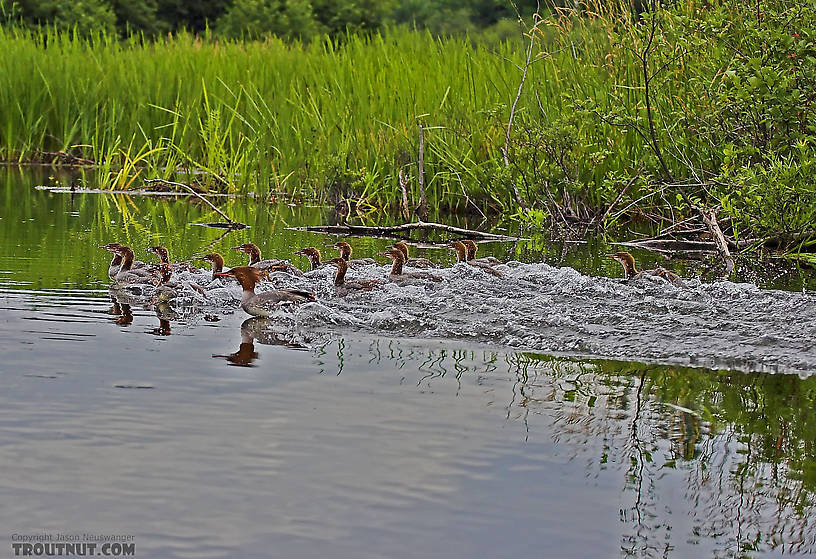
x=410 y=422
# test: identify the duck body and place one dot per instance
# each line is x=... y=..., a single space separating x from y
x=462 y=255
x=126 y=275
x=264 y=304
x=398 y=275
x=472 y=248
x=345 y=253
x=217 y=262
x=342 y=286
x=413 y=262
x=164 y=261
x=630 y=271
x=136 y=267
x=313 y=255
x=256 y=261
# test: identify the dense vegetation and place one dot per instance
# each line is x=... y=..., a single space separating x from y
x=304 y=19
x=622 y=114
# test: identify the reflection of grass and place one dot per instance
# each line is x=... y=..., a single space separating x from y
x=746 y=443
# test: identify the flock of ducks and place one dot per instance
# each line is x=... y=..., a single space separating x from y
x=128 y=273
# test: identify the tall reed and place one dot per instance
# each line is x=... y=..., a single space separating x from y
x=325 y=120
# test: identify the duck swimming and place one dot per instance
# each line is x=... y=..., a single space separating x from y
x=630 y=272
x=472 y=247
x=396 y=269
x=345 y=254
x=461 y=256
x=340 y=278
x=313 y=255
x=164 y=260
x=126 y=275
x=255 y=260
x=263 y=304
x=413 y=262
x=216 y=260
x=113 y=268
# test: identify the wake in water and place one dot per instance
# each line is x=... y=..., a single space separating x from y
x=542 y=308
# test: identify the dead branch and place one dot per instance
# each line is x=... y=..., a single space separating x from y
x=710 y=218
x=404 y=186
x=232 y=224
x=416 y=226
x=620 y=195
x=505 y=150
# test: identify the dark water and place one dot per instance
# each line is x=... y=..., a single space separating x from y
x=371 y=434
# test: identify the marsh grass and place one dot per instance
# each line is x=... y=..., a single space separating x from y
x=327 y=121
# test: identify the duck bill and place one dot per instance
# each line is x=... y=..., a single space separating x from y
x=222 y=274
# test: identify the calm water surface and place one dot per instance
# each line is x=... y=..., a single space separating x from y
x=368 y=435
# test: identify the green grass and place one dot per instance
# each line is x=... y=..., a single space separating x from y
x=321 y=121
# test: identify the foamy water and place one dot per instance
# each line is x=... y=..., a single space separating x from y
x=556 y=310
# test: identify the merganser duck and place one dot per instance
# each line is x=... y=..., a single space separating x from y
x=164 y=259
x=255 y=260
x=472 y=247
x=345 y=254
x=313 y=255
x=137 y=266
x=413 y=262
x=216 y=260
x=396 y=269
x=126 y=275
x=461 y=256
x=262 y=304
x=630 y=272
x=340 y=278
x=113 y=267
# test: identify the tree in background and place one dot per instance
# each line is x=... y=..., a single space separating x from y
x=250 y=19
x=341 y=16
x=193 y=15
x=254 y=19
x=83 y=15
x=139 y=16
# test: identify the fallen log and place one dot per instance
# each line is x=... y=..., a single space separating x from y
x=386 y=231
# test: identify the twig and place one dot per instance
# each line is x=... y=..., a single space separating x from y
x=620 y=194
x=416 y=226
x=403 y=185
x=506 y=149
x=423 y=203
x=710 y=218
x=233 y=224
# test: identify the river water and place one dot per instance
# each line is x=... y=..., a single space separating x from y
x=557 y=412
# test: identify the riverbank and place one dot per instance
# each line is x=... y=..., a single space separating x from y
x=597 y=121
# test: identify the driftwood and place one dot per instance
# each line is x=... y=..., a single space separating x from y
x=386 y=231
x=671 y=245
x=404 y=186
x=710 y=218
x=231 y=224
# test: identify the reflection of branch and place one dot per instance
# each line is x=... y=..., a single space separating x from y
x=233 y=224
x=638 y=445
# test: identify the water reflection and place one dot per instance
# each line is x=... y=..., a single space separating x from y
x=260 y=330
x=124 y=314
x=703 y=457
